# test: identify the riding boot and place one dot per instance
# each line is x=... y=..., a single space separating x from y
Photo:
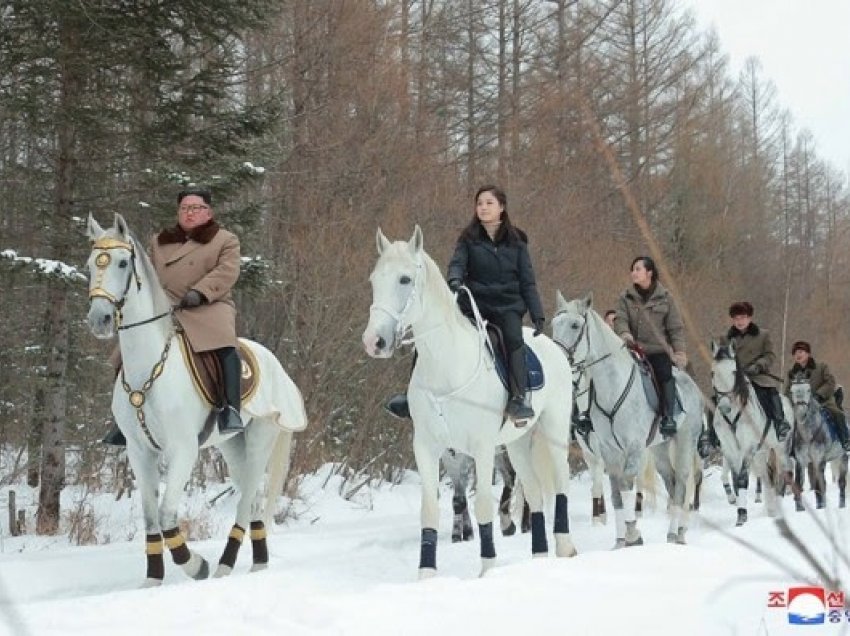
x=841 y=429
x=708 y=442
x=782 y=427
x=229 y=420
x=518 y=407
x=668 y=396
x=114 y=437
x=581 y=421
x=397 y=406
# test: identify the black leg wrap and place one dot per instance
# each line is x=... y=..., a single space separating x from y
x=539 y=544
x=428 y=549
x=231 y=550
x=179 y=550
x=562 y=519
x=155 y=562
x=505 y=501
x=488 y=548
x=259 y=546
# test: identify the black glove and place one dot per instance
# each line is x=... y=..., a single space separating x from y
x=538 y=326
x=454 y=284
x=193 y=298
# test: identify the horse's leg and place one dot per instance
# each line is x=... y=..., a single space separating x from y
x=520 y=454
x=503 y=465
x=180 y=463
x=453 y=463
x=597 y=474
x=247 y=457
x=820 y=485
x=727 y=486
x=619 y=517
x=697 y=489
x=628 y=495
x=484 y=504
x=551 y=455
x=145 y=465
x=758 y=490
x=842 y=479
x=798 y=486
x=428 y=465
x=742 y=484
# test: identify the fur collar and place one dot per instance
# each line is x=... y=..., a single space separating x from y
x=202 y=234
x=752 y=330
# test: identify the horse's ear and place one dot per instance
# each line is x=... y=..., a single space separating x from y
x=588 y=300
x=93 y=229
x=381 y=241
x=416 y=241
x=714 y=348
x=560 y=301
x=121 y=226
x=732 y=347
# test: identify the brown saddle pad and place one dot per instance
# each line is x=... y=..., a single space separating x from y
x=208 y=378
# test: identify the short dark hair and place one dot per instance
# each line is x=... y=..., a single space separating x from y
x=197 y=191
x=648 y=264
x=801 y=344
x=742 y=308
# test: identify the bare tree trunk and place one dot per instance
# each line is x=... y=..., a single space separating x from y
x=53 y=436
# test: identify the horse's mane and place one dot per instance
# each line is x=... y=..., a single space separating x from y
x=741 y=385
x=145 y=268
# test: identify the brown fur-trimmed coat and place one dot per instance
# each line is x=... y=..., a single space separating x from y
x=206 y=259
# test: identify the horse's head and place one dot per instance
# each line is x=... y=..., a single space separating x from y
x=112 y=268
x=727 y=380
x=801 y=393
x=570 y=324
x=397 y=287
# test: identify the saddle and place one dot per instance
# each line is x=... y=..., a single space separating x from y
x=651 y=386
x=535 y=379
x=207 y=376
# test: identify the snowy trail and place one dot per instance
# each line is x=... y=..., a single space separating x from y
x=350 y=568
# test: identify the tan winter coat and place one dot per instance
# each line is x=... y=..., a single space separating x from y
x=656 y=326
x=754 y=347
x=210 y=267
x=820 y=379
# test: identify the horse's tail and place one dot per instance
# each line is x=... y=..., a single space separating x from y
x=647 y=482
x=278 y=468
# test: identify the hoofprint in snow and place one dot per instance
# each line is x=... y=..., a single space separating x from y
x=348 y=566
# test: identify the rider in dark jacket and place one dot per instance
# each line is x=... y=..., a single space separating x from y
x=491 y=258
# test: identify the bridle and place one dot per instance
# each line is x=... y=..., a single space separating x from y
x=102 y=261
x=399 y=317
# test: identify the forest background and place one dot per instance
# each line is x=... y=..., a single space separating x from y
x=317 y=121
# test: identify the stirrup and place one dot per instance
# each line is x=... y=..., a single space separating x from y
x=517 y=409
x=583 y=425
x=397 y=406
x=782 y=430
x=229 y=420
x=667 y=427
x=705 y=446
x=114 y=437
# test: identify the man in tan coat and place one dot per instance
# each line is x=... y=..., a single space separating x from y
x=822 y=383
x=197 y=263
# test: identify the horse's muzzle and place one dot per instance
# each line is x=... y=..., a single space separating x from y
x=101 y=324
x=377 y=346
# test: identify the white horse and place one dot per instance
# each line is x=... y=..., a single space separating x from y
x=815 y=446
x=161 y=413
x=457 y=400
x=747 y=438
x=623 y=419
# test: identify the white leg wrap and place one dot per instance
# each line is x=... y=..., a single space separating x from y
x=628 y=504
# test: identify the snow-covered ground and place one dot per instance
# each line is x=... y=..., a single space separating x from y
x=349 y=567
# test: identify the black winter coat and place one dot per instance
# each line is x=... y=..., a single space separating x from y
x=499 y=274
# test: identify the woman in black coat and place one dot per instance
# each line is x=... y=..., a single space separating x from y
x=491 y=258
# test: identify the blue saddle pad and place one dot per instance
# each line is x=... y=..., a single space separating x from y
x=532 y=363
x=831 y=424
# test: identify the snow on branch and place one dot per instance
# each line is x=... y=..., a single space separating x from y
x=42 y=266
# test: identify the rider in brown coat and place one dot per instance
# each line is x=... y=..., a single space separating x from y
x=822 y=383
x=197 y=263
